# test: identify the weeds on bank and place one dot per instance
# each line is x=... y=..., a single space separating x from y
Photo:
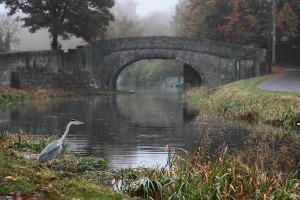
x=263 y=168
x=17 y=96
x=241 y=100
x=202 y=175
x=67 y=177
x=220 y=177
x=253 y=171
x=12 y=96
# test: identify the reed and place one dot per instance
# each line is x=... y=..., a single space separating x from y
x=221 y=177
x=253 y=171
x=222 y=174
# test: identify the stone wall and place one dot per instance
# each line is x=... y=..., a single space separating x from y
x=100 y=63
x=215 y=62
x=46 y=68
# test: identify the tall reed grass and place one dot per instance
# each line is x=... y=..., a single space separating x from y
x=223 y=177
x=212 y=171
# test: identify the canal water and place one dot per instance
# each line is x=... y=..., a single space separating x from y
x=127 y=130
x=130 y=130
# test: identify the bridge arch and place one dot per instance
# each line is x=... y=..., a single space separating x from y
x=216 y=63
x=99 y=63
x=133 y=56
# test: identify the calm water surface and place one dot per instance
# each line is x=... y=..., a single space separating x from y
x=133 y=130
x=127 y=130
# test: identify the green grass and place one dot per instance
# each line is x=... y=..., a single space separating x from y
x=67 y=177
x=219 y=176
x=202 y=175
x=242 y=100
x=12 y=96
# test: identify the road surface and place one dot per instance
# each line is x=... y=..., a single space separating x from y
x=289 y=81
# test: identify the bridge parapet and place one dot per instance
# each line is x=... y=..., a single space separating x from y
x=224 y=50
x=100 y=63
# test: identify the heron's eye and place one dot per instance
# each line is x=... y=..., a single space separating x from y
x=73 y=120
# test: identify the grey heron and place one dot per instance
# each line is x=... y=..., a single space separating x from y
x=54 y=148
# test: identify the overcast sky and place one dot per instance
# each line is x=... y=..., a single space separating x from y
x=146 y=6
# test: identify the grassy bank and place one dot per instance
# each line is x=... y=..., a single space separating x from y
x=68 y=177
x=12 y=96
x=202 y=175
x=241 y=100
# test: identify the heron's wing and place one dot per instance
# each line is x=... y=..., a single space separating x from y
x=50 y=151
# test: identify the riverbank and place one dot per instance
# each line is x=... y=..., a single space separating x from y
x=253 y=172
x=12 y=96
x=196 y=176
x=242 y=100
x=68 y=177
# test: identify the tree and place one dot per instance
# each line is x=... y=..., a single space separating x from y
x=126 y=22
x=64 y=18
x=9 y=33
x=181 y=20
x=246 y=22
x=123 y=26
x=156 y=23
x=239 y=21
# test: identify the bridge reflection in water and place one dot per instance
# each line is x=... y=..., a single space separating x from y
x=131 y=130
x=126 y=130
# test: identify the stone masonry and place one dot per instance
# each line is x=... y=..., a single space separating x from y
x=100 y=63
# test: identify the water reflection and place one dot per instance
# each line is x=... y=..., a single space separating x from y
x=134 y=129
x=265 y=147
x=126 y=130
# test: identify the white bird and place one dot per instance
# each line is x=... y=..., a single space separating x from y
x=54 y=148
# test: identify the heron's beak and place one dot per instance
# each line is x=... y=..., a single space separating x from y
x=81 y=123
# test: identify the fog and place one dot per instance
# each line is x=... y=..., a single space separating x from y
x=149 y=22
x=41 y=41
x=129 y=23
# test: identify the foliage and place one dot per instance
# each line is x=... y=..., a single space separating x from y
x=221 y=174
x=10 y=95
x=181 y=21
x=156 y=24
x=255 y=170
x=16 y=97
x=241 y=100
x=126 y=23
x=123 y=27
x=150 y=73
x=64 y=18
x=66 y=177
x=263 y=146
x=287 y=22
x=203 y=176
x=9 y=30
x=243 y=22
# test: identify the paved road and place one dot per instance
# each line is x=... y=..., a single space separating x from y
x=288 y=81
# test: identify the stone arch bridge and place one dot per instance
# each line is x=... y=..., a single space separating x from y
x=100 y=63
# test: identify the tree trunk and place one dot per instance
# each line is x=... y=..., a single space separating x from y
x=54 y=43
x=274 y=32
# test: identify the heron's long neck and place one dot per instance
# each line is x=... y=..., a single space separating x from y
x=61 y=140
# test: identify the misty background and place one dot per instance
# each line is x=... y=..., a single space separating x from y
x=132 y=18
